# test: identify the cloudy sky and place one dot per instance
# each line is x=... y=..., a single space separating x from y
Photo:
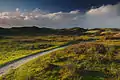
x=60 y=13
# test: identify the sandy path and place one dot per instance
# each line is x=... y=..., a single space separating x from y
x=22 y=61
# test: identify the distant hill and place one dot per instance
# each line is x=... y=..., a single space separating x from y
x=48 y=31
x=41 y=31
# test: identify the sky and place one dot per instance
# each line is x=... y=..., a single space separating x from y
x=60 y=13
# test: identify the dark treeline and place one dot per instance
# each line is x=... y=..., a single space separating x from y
x=41 y=31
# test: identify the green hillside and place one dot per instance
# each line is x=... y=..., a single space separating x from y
x=93 y=55
x=83 y=61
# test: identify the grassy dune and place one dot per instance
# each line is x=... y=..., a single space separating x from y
x=97 y=59
x=87 y=61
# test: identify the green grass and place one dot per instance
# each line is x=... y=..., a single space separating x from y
x=87 y=61
x=15 y=47
x=97 y=59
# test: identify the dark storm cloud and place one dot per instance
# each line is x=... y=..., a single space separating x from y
x=54 y=5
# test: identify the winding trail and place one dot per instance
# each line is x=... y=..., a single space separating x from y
x=13 y=65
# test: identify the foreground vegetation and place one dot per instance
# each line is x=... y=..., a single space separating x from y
x=96 y=57
x=83 y=61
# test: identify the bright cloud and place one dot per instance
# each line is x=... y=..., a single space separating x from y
x=104 y=16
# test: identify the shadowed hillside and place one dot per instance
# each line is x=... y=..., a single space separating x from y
x=40 y=31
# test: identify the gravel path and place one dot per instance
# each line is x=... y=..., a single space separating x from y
x=15 y=64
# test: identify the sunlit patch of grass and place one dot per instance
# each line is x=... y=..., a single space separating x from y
x=15 y=47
